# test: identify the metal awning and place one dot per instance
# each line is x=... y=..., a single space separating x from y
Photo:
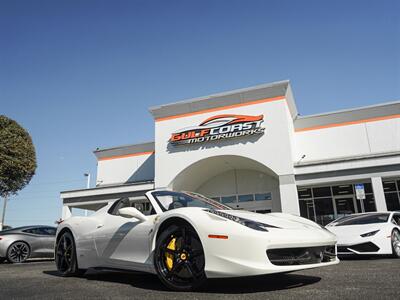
x=94 y=197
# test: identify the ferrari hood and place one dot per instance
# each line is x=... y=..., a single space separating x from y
x=285 y=221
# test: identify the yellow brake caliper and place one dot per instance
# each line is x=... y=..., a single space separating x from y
x=168 y=256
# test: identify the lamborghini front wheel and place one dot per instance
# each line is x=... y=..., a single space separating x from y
x=395 y=239
x=179 y=258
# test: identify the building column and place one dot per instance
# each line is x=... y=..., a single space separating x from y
x=66 y=212
x=379 y=194
x=288 y=193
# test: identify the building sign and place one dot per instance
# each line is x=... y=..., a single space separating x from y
x=219 y=127
x=360 y=192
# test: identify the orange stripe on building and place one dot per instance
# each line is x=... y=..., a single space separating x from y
x=348 y=123
x=126 y=155
x=221 y=108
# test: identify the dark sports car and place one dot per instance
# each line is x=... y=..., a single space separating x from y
x=19 y=244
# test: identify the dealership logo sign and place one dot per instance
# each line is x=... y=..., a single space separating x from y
x=219 y=127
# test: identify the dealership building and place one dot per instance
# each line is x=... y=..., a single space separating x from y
x=252 y=150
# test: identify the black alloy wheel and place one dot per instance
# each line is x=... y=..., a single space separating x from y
x=2 y=259
x=18 y=252
x=395 y=239
x=179 y=258
x=65 y=256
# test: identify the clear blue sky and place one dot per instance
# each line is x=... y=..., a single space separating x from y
x=82 y=74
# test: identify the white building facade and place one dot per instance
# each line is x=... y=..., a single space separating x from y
x=250 y=149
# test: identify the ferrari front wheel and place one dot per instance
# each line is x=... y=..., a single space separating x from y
x=179 y=258
x=396 y=243
x=65 y=256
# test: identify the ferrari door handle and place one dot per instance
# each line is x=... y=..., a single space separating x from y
x=100 y=225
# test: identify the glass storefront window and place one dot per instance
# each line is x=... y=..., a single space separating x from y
x=392 y=194
x=246 y=198
x=389 y=186
x=358 y=202
x=263 y=197
x=228 y=199
x=307 y=209
x=369 y=203
x=339 y=190
x=392 y=201
x=322 y=192
x=253 y=202
x=368 y=188
x=323 y=204
x=344 y=206
x=324 y=212
x=304 y=193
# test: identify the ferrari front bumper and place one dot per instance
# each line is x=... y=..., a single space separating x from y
x=276 y=251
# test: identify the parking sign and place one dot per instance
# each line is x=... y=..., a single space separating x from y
x=360 y=192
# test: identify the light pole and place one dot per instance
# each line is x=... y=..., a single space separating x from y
x=3 y=213
x=87 y=175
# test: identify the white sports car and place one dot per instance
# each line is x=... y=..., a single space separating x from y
x=186 y=238
x=368 y=233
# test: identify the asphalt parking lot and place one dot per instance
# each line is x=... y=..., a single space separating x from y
x=377 y=278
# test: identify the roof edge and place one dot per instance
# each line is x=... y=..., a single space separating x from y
x=121 y=146
x=364 y=114
x=125 y=150
x=349 y=109
x=109 y=186
x=219 y=99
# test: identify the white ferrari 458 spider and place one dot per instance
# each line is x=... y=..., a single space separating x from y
x=185 y=238
x=368 y=233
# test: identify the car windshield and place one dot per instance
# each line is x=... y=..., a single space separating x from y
x=169 y=200
x=361 y=219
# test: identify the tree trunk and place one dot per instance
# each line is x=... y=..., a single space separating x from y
x=4 y=213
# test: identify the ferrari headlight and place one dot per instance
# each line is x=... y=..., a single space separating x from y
x=245 y=222
x=369 y=233
x=253 y=225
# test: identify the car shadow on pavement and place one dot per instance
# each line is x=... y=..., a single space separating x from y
x=256 y=284
x=29 y=261
x=241 y=285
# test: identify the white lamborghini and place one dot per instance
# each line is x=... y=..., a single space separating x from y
x=185 y=238
x=368 y=233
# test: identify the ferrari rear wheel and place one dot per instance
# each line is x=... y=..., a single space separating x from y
x=65 y=256
x=18 y=252
x=396 y=243
x=179 y=258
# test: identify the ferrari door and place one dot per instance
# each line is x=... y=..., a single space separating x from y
x=121 y=241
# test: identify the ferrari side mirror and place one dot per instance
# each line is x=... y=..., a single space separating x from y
x=131 y=212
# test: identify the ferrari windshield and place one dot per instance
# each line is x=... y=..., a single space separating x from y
x=361 y=219
x=169 y=200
